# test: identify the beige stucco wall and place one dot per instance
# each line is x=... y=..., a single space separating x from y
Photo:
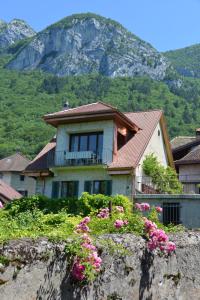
x=156 y=146
x=121 y=184
x=13 y=179
x=64 y=131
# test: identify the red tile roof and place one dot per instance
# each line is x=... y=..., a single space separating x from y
x=93 y=111
x=7 y=192
x=88 y=108
x=15 y=163
x=130 y=154
x=40 y=162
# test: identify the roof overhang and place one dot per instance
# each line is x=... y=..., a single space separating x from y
x=89 y=117
x=187 y=162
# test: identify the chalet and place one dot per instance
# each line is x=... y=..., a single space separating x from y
x=11 y=172
x=99 y=149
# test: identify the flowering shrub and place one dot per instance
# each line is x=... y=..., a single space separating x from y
x=103 y=213
x=120 y=223
x=1 y=204
x=86 y=262
x=142 y=206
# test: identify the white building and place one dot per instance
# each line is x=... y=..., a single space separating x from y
x=99 y=149
x=11 y=172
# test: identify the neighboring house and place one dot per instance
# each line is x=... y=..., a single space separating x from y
x=186 y=152
x=11 y=172
x=99 y=149
x=7 y=193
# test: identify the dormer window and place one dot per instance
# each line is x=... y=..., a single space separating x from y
x=87 y=142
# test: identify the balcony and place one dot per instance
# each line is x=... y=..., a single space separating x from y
x=189 y=178
x=79 y=158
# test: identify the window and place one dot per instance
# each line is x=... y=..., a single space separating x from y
x=171 y=213
x=98 y=187
x=64 y=189
x=69 y=189
x=23 y=193
x=22 y=177
x=87 y=142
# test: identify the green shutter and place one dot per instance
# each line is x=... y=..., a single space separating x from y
x=88 y=187
x=76 y=185
x=109 y=187
x=55 y=189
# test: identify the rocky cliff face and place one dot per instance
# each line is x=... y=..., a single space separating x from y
x=87 y=43
x=13 y=32
x=38 y=270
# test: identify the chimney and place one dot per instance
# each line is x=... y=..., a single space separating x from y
x=66 y=105
x=198 y=133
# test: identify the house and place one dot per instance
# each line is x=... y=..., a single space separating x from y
x=98 y=149
x=186 y=152
x=11 y=172
x=7 y=193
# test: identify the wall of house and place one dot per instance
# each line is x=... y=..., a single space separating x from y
x=121 y=184
x=157 y=146
x=29 y=184
x=189 y=206
x=107 y=127
x=6 y=177
x=190 y=173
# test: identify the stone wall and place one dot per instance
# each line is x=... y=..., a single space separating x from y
x=38 y=270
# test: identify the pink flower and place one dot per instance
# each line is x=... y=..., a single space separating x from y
x=125 y=222
x=145 y=206
x=119 y=209
x=160 y=235
x=86 y=238
x=159 y=209
x=88 y=246
x=104 y=213
x=118 y=224
x=170 y=247
x=1 y=204
x=138 y=206
x=86 y=220
x=149 y=226
x=142 y=206
x=82 y=226
x=78 y=271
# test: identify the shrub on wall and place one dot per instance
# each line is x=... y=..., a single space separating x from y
x=165 y=179
x=92 y=203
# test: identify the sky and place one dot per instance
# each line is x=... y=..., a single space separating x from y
x=166 y=24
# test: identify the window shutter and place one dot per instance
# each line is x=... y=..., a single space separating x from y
x=109 y=187
x=55 y=189
x=76 y=185
x=88 y=187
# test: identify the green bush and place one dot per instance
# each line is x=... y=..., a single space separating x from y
x=165 y=179
x=44 y=204
x=92 y=203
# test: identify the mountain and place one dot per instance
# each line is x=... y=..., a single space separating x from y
x=88 y=43
x=186 y=60
x=13 y=32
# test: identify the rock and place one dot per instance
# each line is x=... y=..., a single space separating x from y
x=87 y=43
x=134 y=274
x=13 y=32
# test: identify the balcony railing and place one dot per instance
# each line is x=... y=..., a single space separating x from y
x=81 y=158
x=189 y=178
